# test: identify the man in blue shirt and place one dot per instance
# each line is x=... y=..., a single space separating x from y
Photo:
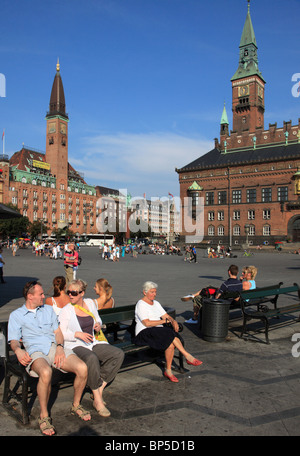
x=36 y=325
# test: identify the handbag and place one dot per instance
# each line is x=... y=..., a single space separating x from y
x=99 y=336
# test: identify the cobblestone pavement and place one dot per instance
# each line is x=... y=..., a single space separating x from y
x=244 y=387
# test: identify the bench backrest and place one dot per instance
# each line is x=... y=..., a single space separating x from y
x=269 y=291
x=116 y=314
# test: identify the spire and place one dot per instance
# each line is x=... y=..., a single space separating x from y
x=57 y=105
x=224 y=118
x=248 y=63
x=248 y=35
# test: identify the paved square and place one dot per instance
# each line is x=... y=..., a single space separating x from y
x=242 y=388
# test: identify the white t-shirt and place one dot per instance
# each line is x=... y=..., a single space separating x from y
x=144 y=311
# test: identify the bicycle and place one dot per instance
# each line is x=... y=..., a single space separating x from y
x=248 y=254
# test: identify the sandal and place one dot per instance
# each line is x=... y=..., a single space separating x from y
x=103 y=411
x=48 y=425
x=82 y=412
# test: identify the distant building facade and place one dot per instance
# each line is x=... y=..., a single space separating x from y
x=250 y=181
x=44 y=186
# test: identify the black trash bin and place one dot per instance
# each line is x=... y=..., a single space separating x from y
x=215 y=317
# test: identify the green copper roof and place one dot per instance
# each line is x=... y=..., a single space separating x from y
x=248 y=63
x=195 y=186
x=248 y=35
x=224 y=118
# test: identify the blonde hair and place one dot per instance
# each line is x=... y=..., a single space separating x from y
x=81 y=284
x=103 y=283
x=252 y=270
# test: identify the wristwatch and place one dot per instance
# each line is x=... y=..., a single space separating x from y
x=60 y=345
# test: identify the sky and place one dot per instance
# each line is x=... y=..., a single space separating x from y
x=145 y=81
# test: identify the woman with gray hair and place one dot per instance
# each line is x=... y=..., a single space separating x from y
x=150 y=318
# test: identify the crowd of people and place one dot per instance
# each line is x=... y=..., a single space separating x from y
x=66 y=332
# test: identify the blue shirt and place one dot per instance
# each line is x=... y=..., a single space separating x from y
x=36 y=329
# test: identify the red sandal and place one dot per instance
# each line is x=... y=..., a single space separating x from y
x=172 y=377
x=196 y=362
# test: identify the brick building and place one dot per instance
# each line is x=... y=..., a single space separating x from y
x=44 y=186
x=250 y=180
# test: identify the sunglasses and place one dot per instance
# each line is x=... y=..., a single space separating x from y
x=73 y=293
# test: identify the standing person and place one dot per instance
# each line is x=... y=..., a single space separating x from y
x=75 y=264
x=59 y=299
x=2 y=263
x=14 y=247
x=194 y=253
x=79 y=321
x=150 y=317
x=37 y=325
x=69 y=260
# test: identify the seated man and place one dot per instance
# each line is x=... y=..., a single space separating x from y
x=36 y=324
x=230 y=285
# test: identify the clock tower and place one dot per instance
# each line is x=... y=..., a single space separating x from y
x=248 y=85
x=57 y=132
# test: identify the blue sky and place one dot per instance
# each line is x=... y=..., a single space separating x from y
x=144 y=80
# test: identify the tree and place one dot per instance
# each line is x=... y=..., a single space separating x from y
x=16 y=227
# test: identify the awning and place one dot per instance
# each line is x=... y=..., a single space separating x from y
x=8 y=213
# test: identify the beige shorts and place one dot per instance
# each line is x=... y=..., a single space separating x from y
x=49 y=358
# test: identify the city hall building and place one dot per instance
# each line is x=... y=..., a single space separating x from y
x=250 y=180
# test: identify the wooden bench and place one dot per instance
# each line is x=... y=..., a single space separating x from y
x=253 y=305
x=16 y=396
x=120 y=322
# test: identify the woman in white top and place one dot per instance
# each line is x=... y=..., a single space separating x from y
x=150 y=317
x=59 y=299
x=79 y=321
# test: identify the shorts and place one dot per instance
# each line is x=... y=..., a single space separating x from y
x=49 y=358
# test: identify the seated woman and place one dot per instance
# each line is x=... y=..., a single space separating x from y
x=150 y=317
x=248 y=275
x=60 y=299
x=104 y=290
x=79 y=321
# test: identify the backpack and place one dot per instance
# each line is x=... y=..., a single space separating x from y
x=79 y=261
x=208 y=292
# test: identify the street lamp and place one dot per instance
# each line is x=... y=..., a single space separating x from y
x=247 y=228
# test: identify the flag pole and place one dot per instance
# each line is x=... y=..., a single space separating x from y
x=3 y=143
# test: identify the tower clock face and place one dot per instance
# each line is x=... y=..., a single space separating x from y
x=243 y=91
x=51 y=127
x=63 y=128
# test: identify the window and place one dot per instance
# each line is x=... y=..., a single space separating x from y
x=222 y=197
x=251 y=195
x=211 y=230
x=282 y=193
x=209 y=198
x=211 y=215
x=236 y=196
x=266 y=195
x=236 y=230
x=251 y=215
x=236 y=215
x=221 y=215
x=266 y=230
x=251 y=230
x=266 y=214
x=221 y=230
